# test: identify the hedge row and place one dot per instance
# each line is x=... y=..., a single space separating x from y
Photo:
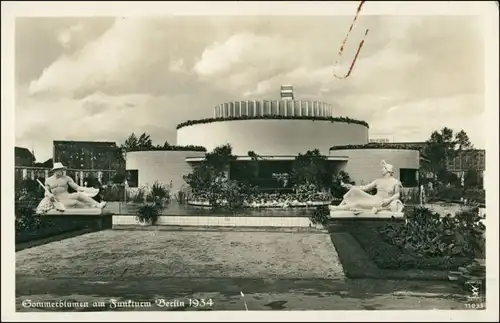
x=272 y=117
x=373 y=146
x=170 y=148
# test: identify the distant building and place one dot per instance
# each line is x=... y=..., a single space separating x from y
x=465 y=160
x=23 y=157
x=98 y=155
x=468 y=159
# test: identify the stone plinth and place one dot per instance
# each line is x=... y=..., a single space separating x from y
x=365 y=215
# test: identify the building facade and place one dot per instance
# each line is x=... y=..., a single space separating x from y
x=88 y=155
x=277 y=131
x=23 y=157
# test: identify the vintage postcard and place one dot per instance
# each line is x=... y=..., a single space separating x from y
x=250 y=161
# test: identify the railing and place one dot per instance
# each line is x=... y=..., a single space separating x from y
x=288 y=108
x=78 y=175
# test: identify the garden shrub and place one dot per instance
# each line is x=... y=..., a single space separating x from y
x=456 y=194
x=426 y=234
x=320 y=215
x=158 y=192
x=423 y=241
x=113 y=193
x=149 y=213
x=24 y=209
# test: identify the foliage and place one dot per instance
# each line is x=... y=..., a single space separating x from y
x=427 y=234
x=309 y=192
x=336 y=188
x=320 y=215
x=475 y=195
x=410 y=196
x=443 y=146
x=119 y=178
x=142 y=142
x=149 y=213
x=472 y=179
x=24 y=209
x=311 y=168
x=208 y=179
x=29 y=189
x=145 y=143
x=456 y=194
x=113 y=193
x=139 y=196
x=448 y=178
x=373 y=145
x=273 y=117
x=158 y=192
x=253 y=167
x=200 y=178
x=170 y=148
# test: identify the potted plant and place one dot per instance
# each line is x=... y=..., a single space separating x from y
x=148 y=214
x=320 y=216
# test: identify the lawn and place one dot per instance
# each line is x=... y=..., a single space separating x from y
x=117 y=253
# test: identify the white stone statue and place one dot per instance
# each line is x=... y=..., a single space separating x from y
x=359 y=201
x=57 y=195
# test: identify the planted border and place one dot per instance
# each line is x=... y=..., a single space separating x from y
x=373 y=146
x=170 y=148
x=274 y=117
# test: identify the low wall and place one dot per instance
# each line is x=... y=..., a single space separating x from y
x=221 y=221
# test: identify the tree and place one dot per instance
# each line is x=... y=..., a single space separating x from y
x=471 y=178
x=209 y=179
x=131 y=142
x=311 y=168
x=442 y=147
x=144 y=142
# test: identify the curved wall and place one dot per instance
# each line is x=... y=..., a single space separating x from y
x=364 y=165
x=161 y=166
x=273 y=137
x=273 y=107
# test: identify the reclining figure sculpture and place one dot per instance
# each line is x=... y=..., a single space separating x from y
x=357 y=200
x=57 y=196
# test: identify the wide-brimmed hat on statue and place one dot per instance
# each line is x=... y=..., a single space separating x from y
x=58 y=165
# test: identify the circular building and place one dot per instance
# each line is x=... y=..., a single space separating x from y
x=273 y=128
x=277 y=131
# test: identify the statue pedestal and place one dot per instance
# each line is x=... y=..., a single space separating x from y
x=77 y=211
x=365 y=214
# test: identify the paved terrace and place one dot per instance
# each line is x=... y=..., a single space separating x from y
x=275 y=270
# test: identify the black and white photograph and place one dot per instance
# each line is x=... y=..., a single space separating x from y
x=250 y=158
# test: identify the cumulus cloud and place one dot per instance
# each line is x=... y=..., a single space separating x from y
x=413 y=75
x=66 y=36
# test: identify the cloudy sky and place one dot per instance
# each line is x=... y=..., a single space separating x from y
x=103 y=78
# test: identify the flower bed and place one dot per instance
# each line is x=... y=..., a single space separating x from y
x=277 y=200
x=424 y=241
x=268 y=204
